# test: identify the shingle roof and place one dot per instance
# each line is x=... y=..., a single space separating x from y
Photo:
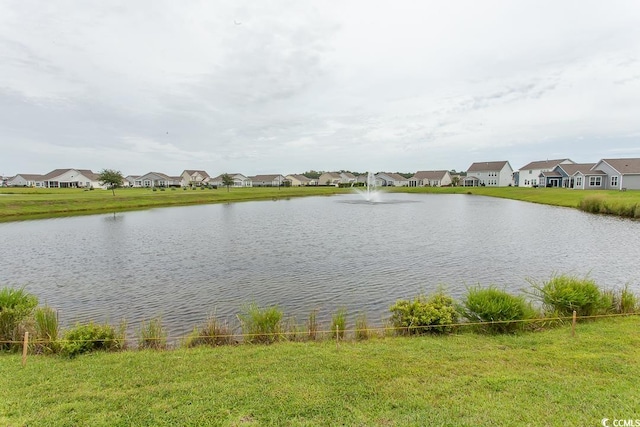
x=395 y=176
x=487 y=166
x=544 y=164
x=30 y=176
x=583 y=168
x=429 y=175
x=57 y=172
x=625 y=166
x=193 y=172
x=300 y=178
x=265 y=177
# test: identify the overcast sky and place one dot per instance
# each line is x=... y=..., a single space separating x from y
x=287 y=86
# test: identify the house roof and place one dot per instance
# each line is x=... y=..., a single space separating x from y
x=57 y=172
x=265 y=177
x=193 y=172
x=334 y=175
x=624 y=166
x=348 y=175
x=429 y=175
x=544 y=164
x=300 y=178
x=487 y=166
x=553 y=174
x=29 y=176
x=232 y=175
x=395 y=176
x=584 y=168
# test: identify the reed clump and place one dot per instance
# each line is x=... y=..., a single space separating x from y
x=261 y=325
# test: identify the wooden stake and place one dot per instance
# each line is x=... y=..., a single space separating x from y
x=337 y=337
x=25 y=346
x=573 y=324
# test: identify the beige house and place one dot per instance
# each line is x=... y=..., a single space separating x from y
x=71 y=178
x=336 y=178
x=194 y=178
x=239 y=180
x=300 y=180
x=439 y=178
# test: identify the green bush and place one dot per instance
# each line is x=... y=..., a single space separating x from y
x=495 y=305
x=91 y=337
x=424 y=314
x=261 y=325
x=16 y=307
x=152 y=335
x=563 y=294
x=339 y=323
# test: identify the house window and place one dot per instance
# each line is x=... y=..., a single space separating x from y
x=578 y=181
x=614 y=181
x=595 y=181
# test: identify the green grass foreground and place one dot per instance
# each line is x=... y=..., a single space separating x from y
x=544 y=378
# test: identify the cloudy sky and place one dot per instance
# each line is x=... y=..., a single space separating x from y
x=288 y=86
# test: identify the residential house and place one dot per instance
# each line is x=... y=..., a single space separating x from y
x=274 y=180
x=239 y=180
x=194 y=178
x=157 y=179
x=573 y=175
x=337 y=178
x=388 y=179
x=300 y=180
x=621 y=173
x=130 y=180
x=26 y=180
x=430 y=179
x=490 y=174
x=528 y=175
x=71 y=178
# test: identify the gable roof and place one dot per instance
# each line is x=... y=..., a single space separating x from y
x=204 y=174
x=265 y=177
x=487 y=166
x=57 y=172
x=583 y=168
x=624 y=166
x=300 y=178
x=29 y=176
x=395 y=176
x=544 y=164
x=429 y=175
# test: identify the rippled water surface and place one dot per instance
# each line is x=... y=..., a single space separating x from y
x=302 y=254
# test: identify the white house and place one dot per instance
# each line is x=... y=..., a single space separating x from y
x=130 y=180
x=194 y=178
x=274 y=180
x=71 y=178
x=26 y=180
x=621 y=173
x=490 y=174
x=389 y=179
x=430 y=179
x=157 y=179
x=529 y=174
x=239 y=180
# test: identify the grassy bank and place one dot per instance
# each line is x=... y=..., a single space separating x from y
x=545 y=378
x=28 y=203
x=612 y=202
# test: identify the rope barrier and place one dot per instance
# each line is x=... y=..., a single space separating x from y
x=323 y=332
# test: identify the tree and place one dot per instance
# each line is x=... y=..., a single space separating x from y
x=111 y=178
x=455 y=180
x=227 y=181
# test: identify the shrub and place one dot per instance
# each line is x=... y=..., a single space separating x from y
x=261 y=325
x=213 y=333
x=16 y=306
x=339 y=323
x=90 y=337
x=46 y=325
x=621 y=301
x=495 y=305
x=424 y=314
x=563 y=294
x=152 y=335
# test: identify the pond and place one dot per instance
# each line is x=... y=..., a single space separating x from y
x=183 y=263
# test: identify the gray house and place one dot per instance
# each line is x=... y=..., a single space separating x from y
x=621 y=173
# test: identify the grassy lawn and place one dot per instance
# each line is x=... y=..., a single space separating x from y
x=28 y=203
x=543 y=378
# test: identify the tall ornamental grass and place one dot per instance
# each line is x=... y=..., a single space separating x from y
x=16 y=308
x=494 y=305
x=213 y=333
x=152 y=335
x=261 y=325
x=563 y=294
x=47 y=330
x=339 y=323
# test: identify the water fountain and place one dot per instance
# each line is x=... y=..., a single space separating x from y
x=371 y=194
